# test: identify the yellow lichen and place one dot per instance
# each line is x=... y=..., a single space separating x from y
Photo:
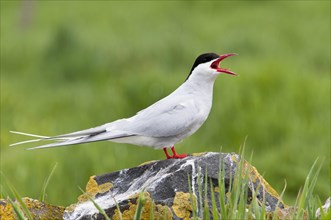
x=6 y=210
x=182 y=205
x=71 y=208
x=92 y=188
x=254 y=175
x=38 y=210
x=41 y=210
x=285 y=213
x=83 y=198
x=199 y=154
x=234 y=157
x=163 y=212
x=147 y=162
x=105 y=187
x=127 y=214
x=159 y=211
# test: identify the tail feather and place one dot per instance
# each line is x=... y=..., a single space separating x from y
x=25 y=142
x=80 y=137
x=81 y=140
x=61 y=143
x=40 y=138
x=27 y=134
x=86 y=132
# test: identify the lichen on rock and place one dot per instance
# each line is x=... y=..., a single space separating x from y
x=38 y=210
x=183 y=205
x=6 y=210
x=159 y=211
x=92 y=188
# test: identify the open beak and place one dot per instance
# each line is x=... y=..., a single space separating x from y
x=216 y=64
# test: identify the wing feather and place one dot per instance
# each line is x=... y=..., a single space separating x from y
x=171 y=121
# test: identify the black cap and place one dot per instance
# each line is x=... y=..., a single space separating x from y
x=203 y=58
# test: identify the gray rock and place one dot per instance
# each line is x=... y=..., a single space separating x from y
x=166 y=188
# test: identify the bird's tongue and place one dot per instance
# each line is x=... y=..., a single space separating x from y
x=216 y=64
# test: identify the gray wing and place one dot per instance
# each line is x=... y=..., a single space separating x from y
x=162 y=120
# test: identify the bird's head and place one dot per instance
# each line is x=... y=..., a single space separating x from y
x=208 y=64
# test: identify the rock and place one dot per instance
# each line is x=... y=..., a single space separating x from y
x=38 y=210
x=165 y=188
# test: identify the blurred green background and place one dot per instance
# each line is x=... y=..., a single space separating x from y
x=67 y=66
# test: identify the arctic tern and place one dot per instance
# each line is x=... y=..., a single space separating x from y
x=164 y=123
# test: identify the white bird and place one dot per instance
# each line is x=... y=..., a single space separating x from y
x=161 y=125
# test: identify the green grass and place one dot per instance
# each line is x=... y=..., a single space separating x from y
x=74 y=65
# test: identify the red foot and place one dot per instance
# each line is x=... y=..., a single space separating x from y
x=175 y=155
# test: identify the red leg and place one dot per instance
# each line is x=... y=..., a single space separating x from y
x=175 y=155
x=166 y=153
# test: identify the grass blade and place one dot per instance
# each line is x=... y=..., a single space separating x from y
x=206 y=205
x=305 y=196
x=221 y=186
x=151 y=216
x=140 y=206
x=117 y=206
x=17 y=209
x=263 y=208
x=213 y=202
x=96 y=205
x=15 y=193
x=194 y=207
x=43 y=191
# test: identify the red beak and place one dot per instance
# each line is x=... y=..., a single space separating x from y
x=216 y=64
